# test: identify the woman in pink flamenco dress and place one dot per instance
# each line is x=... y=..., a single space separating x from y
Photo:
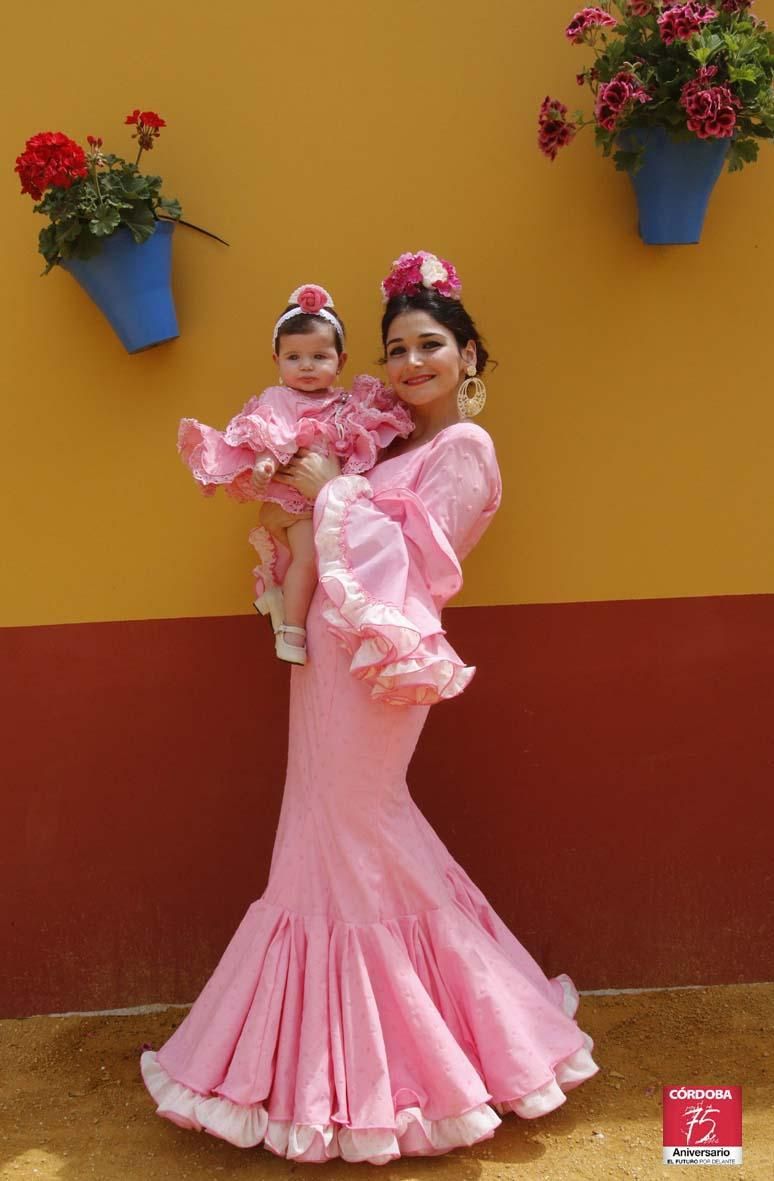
x=371 y=1003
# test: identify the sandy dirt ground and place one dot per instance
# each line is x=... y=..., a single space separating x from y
x=72 y=1107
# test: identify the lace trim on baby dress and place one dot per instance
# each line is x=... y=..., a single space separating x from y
x=266 y=571
x=371 y=418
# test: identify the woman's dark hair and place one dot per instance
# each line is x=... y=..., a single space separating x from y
x=305 y=323
x=448 y=312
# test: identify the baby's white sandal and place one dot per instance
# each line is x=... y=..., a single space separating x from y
x=272 y=603
x=286 y=651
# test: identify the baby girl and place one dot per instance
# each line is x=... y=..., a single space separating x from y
x=307 y=410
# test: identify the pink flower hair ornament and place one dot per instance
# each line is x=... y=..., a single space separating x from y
x=410 y=272
x=309 y=300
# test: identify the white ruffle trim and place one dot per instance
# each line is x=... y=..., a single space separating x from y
x=567 y=1074
x=387 y=649
x=413 y=1135
x=246 y=1127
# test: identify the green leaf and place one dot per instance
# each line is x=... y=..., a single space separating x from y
x=47 y=245
x=136 y=186
x=140 y=221
x=87 y=245
x=704 y=46
x=626 y=161
x=68 y=232
x=107 y=219
x=743 y=74
x=741 y=152
x=171 y=206
x=84 y=245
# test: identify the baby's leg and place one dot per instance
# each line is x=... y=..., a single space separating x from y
x=301 y=577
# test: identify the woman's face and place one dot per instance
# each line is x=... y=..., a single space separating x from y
x=424 y=361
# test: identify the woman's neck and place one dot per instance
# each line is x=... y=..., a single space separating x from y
x=430 y=420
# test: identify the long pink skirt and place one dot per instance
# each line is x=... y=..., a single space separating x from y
x=371 y=1004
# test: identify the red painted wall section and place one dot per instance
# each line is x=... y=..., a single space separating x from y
x=607 y=780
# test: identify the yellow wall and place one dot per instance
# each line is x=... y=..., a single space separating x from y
x=632 y=406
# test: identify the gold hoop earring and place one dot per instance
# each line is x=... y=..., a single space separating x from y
x=471 y=396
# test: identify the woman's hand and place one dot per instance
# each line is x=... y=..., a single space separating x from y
x=309 y=472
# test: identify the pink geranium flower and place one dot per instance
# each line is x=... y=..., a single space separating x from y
x=711 y=110
x=641 y=7
x=555 y=131
x=588 y=19
x=680 y=22
x=616 y=98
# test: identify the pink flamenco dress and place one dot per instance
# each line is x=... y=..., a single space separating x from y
x=355 y=426
x=371 y=1004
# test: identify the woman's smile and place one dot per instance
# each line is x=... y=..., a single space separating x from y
x=423 y=353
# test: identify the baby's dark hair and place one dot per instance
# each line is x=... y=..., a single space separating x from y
x=449 y=312
x=305 y=322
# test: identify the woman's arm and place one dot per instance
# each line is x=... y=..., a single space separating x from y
x=459 y=484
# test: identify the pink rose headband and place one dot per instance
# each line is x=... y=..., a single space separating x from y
x=310 y=300
x=412 y=271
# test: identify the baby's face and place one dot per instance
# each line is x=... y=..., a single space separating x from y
x=308 y=361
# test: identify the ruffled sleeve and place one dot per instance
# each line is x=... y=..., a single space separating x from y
x=226 y=458
x=371 y=419
x=389 y=561
x=268 y=423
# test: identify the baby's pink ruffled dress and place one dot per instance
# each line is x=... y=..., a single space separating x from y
x=354 y=426
x=371 y=1004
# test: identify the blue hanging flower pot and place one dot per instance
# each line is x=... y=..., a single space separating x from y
x=131 y=285
x=674 y=184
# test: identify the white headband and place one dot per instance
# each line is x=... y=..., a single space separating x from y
x=310 y=300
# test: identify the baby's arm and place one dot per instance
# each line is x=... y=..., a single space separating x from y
x=264 y=470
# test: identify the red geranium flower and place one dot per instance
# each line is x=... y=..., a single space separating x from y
x=148 y=125
x=147 y=118
x=50 y=159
